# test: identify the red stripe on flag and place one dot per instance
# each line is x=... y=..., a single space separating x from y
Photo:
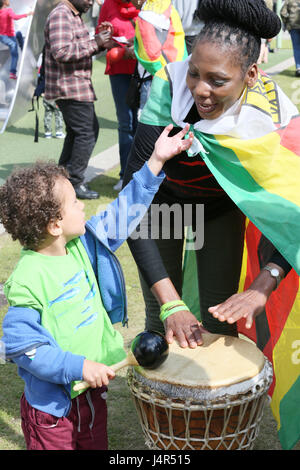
x=197 y=163
x=289 y=136
x=188 y=184
x=252 y=238
x=280 y=304
x=193 y=180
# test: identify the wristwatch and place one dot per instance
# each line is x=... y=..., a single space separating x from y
x=274 y=273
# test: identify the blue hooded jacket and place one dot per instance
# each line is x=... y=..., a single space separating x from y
x=48 y=377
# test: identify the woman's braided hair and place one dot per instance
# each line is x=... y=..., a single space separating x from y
x=239 y=24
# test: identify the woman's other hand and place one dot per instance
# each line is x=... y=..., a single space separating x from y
x=250 y=303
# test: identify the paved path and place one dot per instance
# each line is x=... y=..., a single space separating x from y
x=281 y=66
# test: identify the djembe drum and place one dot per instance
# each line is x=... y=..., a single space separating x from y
x=211 y=397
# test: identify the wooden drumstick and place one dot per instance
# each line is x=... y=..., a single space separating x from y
x=149 y=349
x=130 y=360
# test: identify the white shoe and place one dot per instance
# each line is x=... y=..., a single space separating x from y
x=48 y=135
x=118 y=186
x=60 y=135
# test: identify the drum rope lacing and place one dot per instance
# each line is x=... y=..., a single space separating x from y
x=249 y=397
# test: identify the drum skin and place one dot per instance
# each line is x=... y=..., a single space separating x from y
x=177 y=416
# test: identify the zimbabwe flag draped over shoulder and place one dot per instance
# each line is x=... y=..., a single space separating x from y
x=253 y=150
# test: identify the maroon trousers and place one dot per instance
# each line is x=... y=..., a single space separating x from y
x=85 y=427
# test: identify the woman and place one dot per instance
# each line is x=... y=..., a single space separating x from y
x=121 y=14
x=212 y=90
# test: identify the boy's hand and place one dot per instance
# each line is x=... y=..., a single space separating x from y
x=167 y=147
x=96 y=374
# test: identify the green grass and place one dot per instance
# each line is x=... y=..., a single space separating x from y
x=123 y=425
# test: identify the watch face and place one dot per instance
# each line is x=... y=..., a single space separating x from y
x=275 y=272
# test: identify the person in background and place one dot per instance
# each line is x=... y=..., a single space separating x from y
x=159 y=40
x=290 y=15
x=122 y=15
x=190 y=22
x=52 y=110
x=265 y=43
x=95 y=11
x=50 y=107
x=7 y=34
x=68 y=70
x=159 y=36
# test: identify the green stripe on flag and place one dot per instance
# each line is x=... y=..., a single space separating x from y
x=190 y=290
x=157 y=111
x=289 y=431
x=151 y=66
x=277 y=218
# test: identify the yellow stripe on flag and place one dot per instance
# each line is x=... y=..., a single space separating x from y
x=178 y=38
x=244 y=263
x=271 y=165
x=286 y=358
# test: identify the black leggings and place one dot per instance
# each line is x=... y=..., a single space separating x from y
x=82 y=132
x=219 y=265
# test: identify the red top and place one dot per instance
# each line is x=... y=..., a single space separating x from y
x=122 y=27
x=7 y=17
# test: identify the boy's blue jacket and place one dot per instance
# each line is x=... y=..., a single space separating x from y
x=48 y=377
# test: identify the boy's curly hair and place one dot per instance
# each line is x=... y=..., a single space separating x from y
x=28 y=203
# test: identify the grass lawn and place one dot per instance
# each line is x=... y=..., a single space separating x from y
x=123 y=426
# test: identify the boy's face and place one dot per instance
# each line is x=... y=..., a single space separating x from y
x=73 y=216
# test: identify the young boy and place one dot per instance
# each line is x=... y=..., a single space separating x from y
x=7 y=33
x=64 y=294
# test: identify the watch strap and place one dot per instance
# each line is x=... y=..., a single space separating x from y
x=277 y=278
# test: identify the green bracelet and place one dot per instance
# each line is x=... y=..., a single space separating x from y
x=172 y=303
x=169 y=308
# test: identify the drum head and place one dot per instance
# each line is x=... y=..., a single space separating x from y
x=221 y=361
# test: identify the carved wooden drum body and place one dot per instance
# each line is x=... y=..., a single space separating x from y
x=211 y=397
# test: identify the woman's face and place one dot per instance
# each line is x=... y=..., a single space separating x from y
x=215 y=79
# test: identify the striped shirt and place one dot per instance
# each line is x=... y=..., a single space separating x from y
x=68 y=55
